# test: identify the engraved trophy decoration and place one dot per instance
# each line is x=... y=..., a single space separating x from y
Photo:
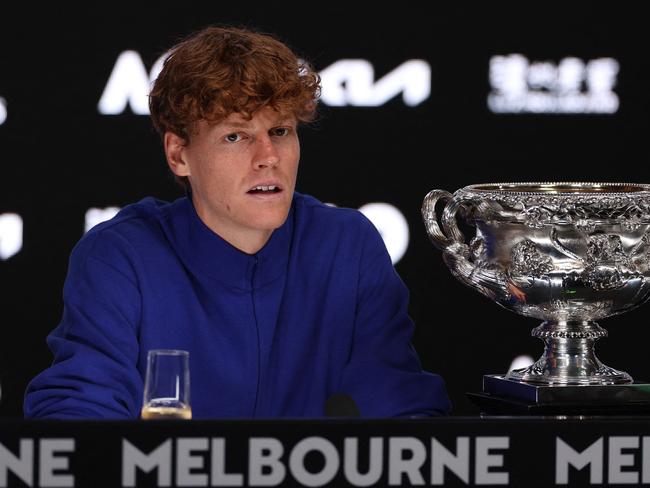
x=565 y=253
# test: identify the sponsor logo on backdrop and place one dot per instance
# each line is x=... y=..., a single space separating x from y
x=352 y=82
x=129 y=84
x=570 y=86
x=347 y=82
x=95 y=215
x=3 y=110
x=392 y=227
x=11 y=235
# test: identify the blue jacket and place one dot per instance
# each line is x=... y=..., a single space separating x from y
x=319 y=310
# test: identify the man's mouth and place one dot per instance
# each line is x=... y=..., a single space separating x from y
x=265 y=189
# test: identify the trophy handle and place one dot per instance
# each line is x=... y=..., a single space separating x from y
x=459 y=256
x=451 y=234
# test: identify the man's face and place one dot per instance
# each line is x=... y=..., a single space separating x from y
x=243 y=174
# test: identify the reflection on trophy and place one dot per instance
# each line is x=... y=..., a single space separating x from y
x=568 y=254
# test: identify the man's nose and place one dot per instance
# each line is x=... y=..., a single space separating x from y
x=266 y=153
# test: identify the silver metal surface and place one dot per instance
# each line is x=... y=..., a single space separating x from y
x=567 y=253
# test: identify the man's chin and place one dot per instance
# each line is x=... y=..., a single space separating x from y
x=268 y=220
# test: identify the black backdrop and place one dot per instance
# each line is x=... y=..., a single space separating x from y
x=60 y=156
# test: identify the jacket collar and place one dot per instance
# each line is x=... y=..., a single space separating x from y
x=209 y=254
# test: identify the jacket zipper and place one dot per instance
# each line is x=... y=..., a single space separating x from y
x=257 y=331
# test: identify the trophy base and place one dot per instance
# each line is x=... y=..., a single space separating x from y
x=501 y=396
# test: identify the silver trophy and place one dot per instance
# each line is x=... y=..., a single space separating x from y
x=568 y=254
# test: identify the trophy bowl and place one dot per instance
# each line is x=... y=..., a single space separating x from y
x=567 y=253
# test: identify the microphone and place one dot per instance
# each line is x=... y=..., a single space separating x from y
x=341 y=405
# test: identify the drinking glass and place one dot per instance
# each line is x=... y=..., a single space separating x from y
x=167 y=385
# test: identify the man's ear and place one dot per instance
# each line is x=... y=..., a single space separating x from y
x=175 y=152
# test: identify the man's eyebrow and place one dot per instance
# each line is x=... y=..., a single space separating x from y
x=245 y=125
x=285 y=118
x=236 y=125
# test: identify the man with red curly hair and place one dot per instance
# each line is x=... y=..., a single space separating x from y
x=282 y=302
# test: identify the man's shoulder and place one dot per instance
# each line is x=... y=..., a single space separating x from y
x=328 y=230
x=311 y=211
x=134 y=216
x=138 y=223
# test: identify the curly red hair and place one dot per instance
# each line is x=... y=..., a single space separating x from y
x=223 y=70
x=219 y=70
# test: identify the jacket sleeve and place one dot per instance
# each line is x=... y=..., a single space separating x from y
x=384 y=375
x=94 y=373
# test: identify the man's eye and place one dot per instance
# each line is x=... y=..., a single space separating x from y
x=233 y=137
x=280 y=131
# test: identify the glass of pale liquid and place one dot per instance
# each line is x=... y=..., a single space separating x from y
x=167 y=385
